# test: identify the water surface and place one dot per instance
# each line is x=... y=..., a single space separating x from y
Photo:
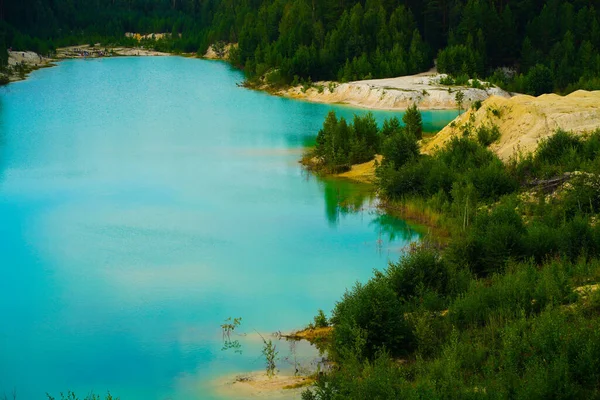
x=145 y=200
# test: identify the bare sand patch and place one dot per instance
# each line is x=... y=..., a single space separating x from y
x=258 y=385
x=364 y=172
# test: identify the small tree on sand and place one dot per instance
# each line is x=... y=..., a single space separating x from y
x=459 y=97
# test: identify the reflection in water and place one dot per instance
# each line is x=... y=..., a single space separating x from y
x=393 y=228
x=343 y=197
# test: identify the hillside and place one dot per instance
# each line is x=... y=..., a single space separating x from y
x=524 y=120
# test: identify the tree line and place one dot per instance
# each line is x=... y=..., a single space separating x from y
x=544 y=45
x=340 y=144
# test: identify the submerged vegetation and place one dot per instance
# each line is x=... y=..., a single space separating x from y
x=508 y=307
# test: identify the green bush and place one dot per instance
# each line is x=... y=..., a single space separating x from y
x=369 y=319
x=487 y=135
x=321 y=320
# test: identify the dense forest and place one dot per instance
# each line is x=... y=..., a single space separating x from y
x=526 y=45
x=501 y=300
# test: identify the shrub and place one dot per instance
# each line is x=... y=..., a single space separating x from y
x=321 y=320
x=368 y=319
x=487 y=135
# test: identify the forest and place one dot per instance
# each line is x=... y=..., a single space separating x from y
x=529 y=46
x=501 y=299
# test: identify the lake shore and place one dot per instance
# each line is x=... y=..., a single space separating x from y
x=22 y=63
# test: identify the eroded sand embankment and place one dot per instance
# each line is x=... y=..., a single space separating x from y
x=399 y=93
x=523 y=121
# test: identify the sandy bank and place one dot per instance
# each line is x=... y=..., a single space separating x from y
x=311 y=335
x=259 y=385
x=393 y=93
x=525 y=120
x=364 y=172
x=21 y=63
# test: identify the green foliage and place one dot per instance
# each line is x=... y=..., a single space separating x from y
x=459 y=97
x=227 y=328
x=340 y=40
x=487 y=135
x=399 y=148
x=539 y=80
x=340 y=145
x=501 y=308
x=270 y=353
x=320 y=320
x=369 y=319
x=460 y=59
x=413 y=122
x=463 y=162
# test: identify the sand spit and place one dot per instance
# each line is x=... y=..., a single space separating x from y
x=311 y=334
x=525 y=120
x=394 y=93
x=259 y=385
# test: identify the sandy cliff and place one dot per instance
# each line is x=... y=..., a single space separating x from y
x=524 y=120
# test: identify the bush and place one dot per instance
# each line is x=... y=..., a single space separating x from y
x=368 y=319
x=321 y=320
x=487 y=135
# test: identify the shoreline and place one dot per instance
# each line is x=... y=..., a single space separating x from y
x=390 y=94
x=257 y=384
x=23 y=63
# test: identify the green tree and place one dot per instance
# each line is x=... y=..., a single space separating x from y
x=539 y=80
x=399 y=148
x=459 y=97
x=413 y=122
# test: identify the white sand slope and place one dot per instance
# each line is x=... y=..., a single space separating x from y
x=394 y=93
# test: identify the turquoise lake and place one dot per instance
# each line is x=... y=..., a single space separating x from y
x=145 y=200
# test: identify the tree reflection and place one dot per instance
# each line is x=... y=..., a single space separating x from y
x=343 y=197
x=393 y=228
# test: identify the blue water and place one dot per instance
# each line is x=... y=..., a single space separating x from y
x=145 y=200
